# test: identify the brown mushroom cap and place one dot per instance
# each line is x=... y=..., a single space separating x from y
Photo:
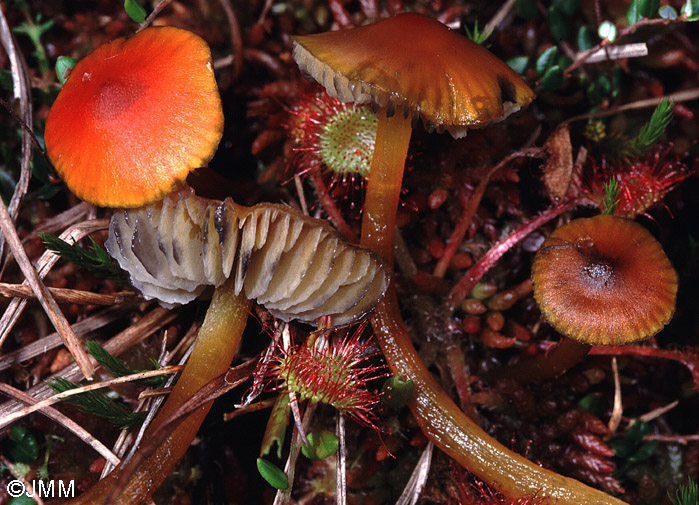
x=135 y=117
x=605 y=281
x=414 y=64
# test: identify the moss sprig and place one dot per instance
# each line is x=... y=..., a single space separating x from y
x=93 y=257
x=98 y=404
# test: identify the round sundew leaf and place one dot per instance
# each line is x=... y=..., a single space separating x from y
x=604 y=280
x=444 y=77
x=321 y=444
x=135 y=117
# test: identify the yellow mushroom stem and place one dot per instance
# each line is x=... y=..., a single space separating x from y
x=461 y=438
x=384 y=183
x=439 y=417
x=215 y=347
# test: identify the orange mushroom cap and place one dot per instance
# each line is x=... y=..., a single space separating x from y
x=135 y=117
x=416 y=65
x=604 y=280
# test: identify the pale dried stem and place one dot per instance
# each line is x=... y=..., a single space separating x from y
x=63 y=420
x=43 y=266
x=137 y=332
x=69 y=295
x=47 y=301
x=236 y=37
x=4 y=421
x=686 y=95
x=21 y=91
x=53 y=340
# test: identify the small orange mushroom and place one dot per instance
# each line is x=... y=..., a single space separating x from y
x=135 y=117
x=604 y=280
x=409 y=66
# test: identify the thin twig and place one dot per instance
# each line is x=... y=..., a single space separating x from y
x=45 y=299
x=137 y=332
x=686 y=95
x=236 y=37
x=459 y=232
x=341 y=467
x=69 y=295
x=21 y=91
x=43 y=266
x=10 y=418
x=499 y=16
x=45 y=344
x=479 y=269
x=617 y=408
x=65 y=421
x=156 y=10
x=582 y=58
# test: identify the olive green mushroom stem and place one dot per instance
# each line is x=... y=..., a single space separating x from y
x=215 y=347
x=439 y=417
x=461 y=438
x=384 y=183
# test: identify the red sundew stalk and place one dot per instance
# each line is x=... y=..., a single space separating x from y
x=479 y=269
x=687 y=358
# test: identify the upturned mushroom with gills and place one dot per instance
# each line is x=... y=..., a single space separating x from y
x=150 y=113
x=412 y=68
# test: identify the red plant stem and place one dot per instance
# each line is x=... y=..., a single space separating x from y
x=457 y=236
x=329 y=206
x=478 y=270
x=688 y=358
x=557 y=361
x=461 y=438
x=216 y=344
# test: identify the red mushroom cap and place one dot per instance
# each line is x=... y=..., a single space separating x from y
x=605 y=281
x=135 y=117
x=418 y=65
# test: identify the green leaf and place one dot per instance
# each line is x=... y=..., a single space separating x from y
x=645 y=451
x=592 y=403
x=276 y=426
x=98 y=404
x=518 y=64
x=637 y=430
x=648 y=8
x=607 y=30
x=553 y=79
x=558 y=23
x=94 y=258
x=5 y=79
x=396 y=391
x=585 y=39
x=272 y=474
x=668 y=12
x=7 y=186
x=639 y=9
x=321 y=444
x=21 y=500
x=23 y=445
x=687 y=494
x=633 y=15
x=690 y=10
x=546 y=60
x=568 y=7
x=135 y=11
x=64 y=64
x=526 y=9
x=598 y=90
